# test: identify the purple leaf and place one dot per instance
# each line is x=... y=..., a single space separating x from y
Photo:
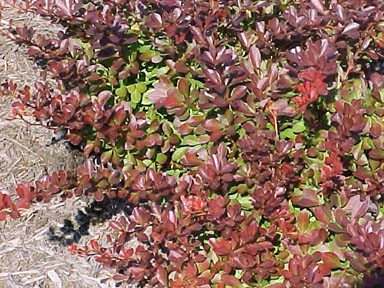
x=255 y=56
x=154 y=21
x=238 y=92
x=318 y=6
x=351 y=29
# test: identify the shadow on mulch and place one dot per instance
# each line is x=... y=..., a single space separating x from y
x=96 y=212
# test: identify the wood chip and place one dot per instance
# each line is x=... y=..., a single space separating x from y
x=55 y=278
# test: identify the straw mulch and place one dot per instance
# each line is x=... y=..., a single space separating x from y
x=27 y=257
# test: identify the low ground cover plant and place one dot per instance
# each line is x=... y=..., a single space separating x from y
x=244 y=138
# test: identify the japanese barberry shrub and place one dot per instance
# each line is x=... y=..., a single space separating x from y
x=246 y=136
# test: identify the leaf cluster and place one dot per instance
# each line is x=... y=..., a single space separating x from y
x=247 y=136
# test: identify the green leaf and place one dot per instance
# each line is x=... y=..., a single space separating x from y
x=121 y=92
x=191 y=140
x=195 y=83
x=373 y=164
x=179 y=153
x=131 y=88
x=287 y=133
x=367 y=143
x=242 y=132
x=299 y=127
x=175 y=173
x=147 y=162
x=273 y=280
x=153 y=166
x=242 y=188
x=270 y=127
x=129 y=160
x=245 y=202
x=145 y=48
x=106 y=156
x=162 y=71
x=161 y=158
x=140 y=165
x=136 y=97
x=145 y=101
x=151 y=114
x=141 y=87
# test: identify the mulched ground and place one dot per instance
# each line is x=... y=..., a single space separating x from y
x=27 y=257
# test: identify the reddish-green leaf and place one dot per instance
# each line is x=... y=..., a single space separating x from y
x=331 y=260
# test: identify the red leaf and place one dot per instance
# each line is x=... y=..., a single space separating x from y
x=94 y=245
x=215 y=136
x=231 y=281
x=362 y=173
x=357 y=207
x=213 y=76
x=75 y=139
x=14 y=214
x=191 y=159
x=3 y=216
x=306 y=198
x=183 y=86
x=303 y=220
x=5 y=201
x=255 y=248
x=25 y=191
x=221 y=247
x=191 y=270
x=281 y=108
x=103 y=97
x=22 y=203
x=377 y=80
x=173 y=99
x=202 y=281
x=120 y=115
x=162 y=276
x=184 y=129
x=120 y=277
x=375 y=130
x=140 y=215
x=376 y=154
x=181 y=67
x=114 y=177
x=212 y=125
x=323 y=214
x=198 y=35
x=220 y=102
x=116 y=226
x=73 y=248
